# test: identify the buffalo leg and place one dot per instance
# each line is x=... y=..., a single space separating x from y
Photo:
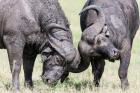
x=97 y=70
x=124 y=64
x=14 y=45
x=29 y=56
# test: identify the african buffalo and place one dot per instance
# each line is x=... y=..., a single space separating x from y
x=30 y=27
x=108 y=29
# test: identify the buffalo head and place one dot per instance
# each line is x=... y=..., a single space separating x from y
x=96 y=40
x=58 y=54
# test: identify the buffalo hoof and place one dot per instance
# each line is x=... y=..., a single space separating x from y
x=125 y=85
x=28 y=84
x=96 y=83
x=16 y=91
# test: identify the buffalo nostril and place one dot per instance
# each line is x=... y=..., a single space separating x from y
x=115 y=52
x=45 y=80
x=48 y=81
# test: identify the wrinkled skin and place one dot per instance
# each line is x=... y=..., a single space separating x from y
x=114 y=40
x=103 y=46
x=56 y=62
x=31 y=27
x=54 y=66
x=108 y=29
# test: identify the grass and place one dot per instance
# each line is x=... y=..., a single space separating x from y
x=81 y=82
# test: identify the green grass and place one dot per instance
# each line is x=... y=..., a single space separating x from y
x=81 y=82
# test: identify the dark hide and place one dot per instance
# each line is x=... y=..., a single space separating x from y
x=114 y=40
x=30 y=27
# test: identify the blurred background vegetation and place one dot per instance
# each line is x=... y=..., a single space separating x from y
x=81 y=82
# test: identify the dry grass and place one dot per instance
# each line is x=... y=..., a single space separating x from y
x=82 y=82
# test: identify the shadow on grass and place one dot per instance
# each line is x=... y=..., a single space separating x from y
x=79 y=85
x=40 y=86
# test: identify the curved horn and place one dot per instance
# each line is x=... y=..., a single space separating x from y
x=100 y=21
x=54 y=25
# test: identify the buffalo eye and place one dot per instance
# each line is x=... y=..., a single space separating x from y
x=48 y=52
x=45 y=54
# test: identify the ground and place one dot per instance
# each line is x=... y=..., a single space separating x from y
x=82 y=82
